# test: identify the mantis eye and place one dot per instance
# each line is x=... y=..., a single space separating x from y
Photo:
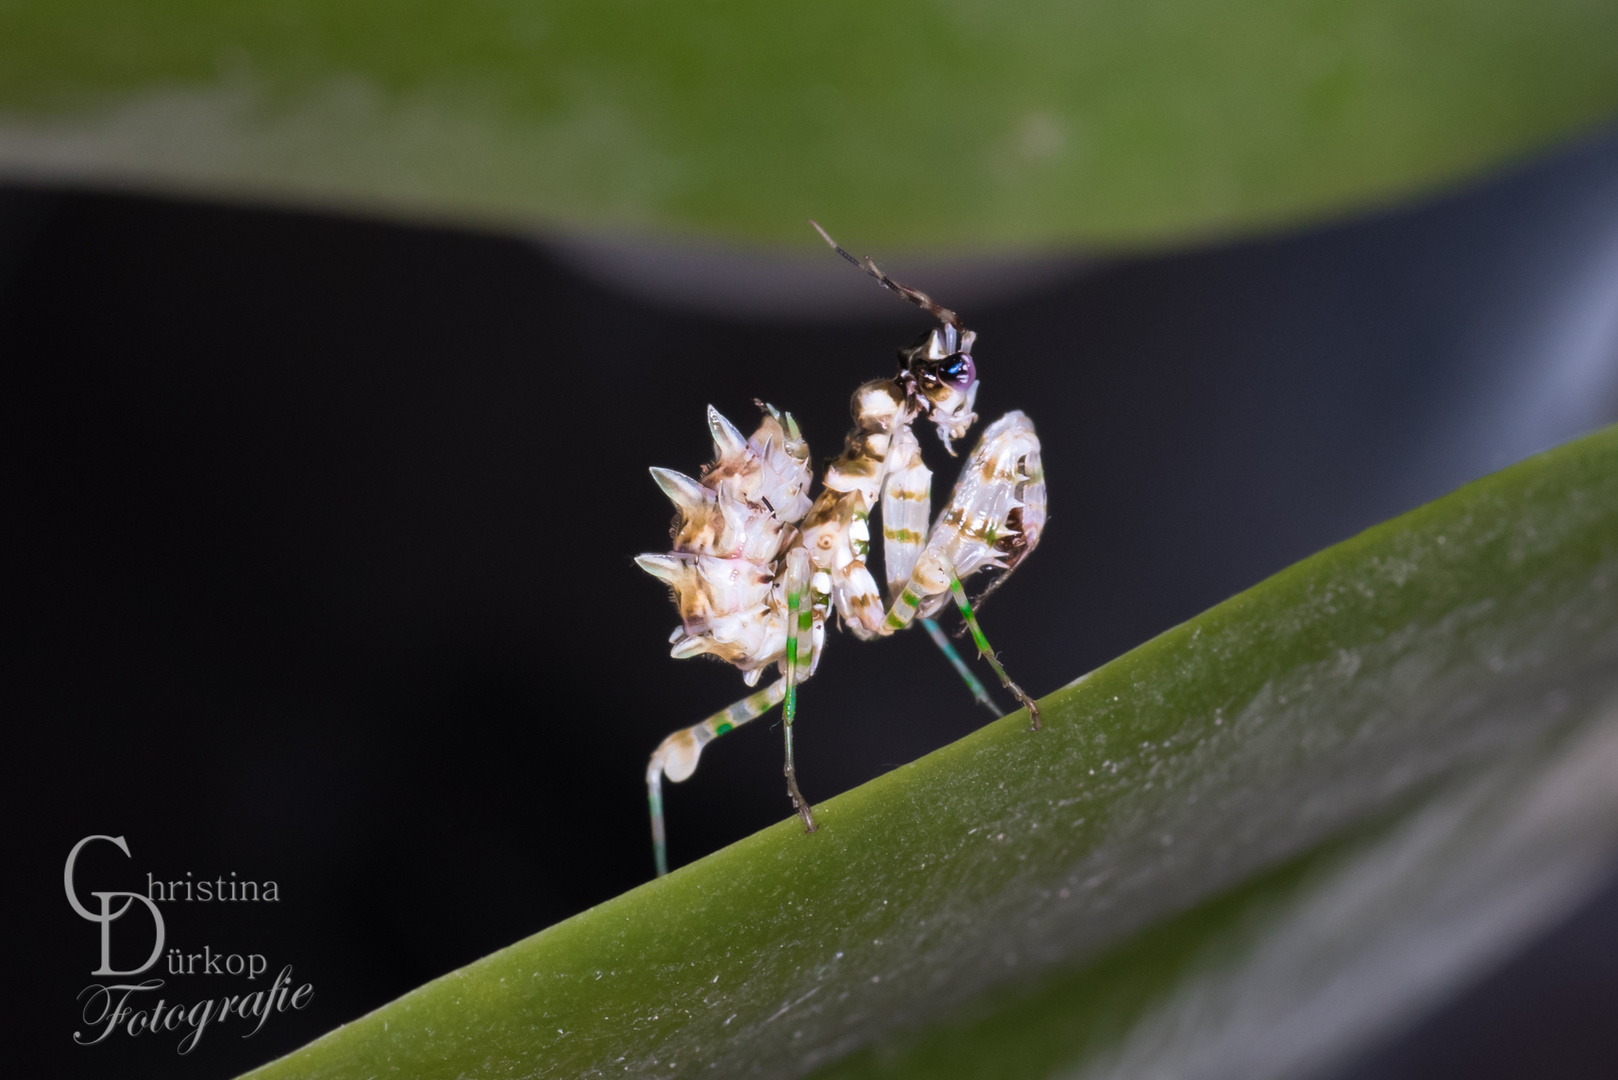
x=958 y=370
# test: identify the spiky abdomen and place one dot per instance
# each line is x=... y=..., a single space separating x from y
x=731 y=530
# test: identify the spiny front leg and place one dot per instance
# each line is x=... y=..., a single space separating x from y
x=994 y=519
x=677 y=756
x=907 y=500
x=906 y=508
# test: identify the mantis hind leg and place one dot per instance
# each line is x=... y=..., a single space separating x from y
x=677 y=756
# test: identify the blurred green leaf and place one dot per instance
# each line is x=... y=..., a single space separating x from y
x=1242 y=846
x=964 y=125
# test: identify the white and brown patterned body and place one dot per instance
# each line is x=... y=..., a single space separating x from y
x=994 y=518
x=735 y=528
x=732 y=530
x=757 y=568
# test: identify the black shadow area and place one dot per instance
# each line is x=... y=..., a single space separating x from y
x=322 y=534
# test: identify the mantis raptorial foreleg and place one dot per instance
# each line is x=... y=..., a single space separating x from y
x=907 y=498
x=994 y=515
x=906 y=509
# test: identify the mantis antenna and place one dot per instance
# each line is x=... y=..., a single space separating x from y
x=915 y=296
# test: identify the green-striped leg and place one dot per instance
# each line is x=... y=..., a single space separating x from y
x=906 y=609
x=973 y=683
x=987 y=653
x=800 y=622
x=906 y=504
x=678 y=755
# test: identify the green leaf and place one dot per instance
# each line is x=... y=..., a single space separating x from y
x=957 y=124
x=1244 y=845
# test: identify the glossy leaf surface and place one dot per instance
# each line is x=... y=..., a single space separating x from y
x=1248 y=844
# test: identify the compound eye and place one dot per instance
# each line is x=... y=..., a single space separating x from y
x=958 y=370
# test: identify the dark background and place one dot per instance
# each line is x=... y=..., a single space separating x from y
x=323 y=532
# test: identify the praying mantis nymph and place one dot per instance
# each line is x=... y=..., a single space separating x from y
x=758 y=567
